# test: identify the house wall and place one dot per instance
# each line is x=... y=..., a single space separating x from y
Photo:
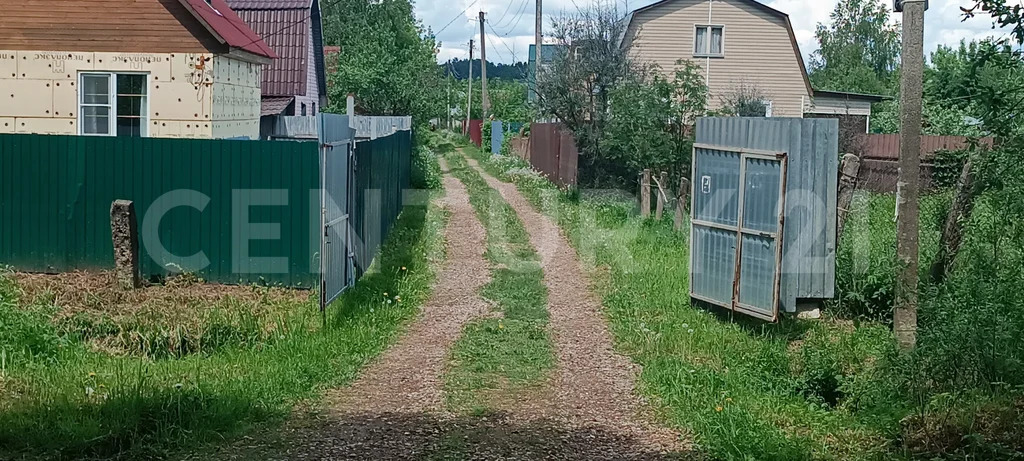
x=312 y=95
x=236 y=99
x=758 y=49
x=837 y=106
x=40 y=92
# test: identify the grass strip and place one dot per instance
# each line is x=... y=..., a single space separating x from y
x=743 y=388
x=513 y=351
x=60 y=399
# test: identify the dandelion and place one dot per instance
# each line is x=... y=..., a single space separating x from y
x=403 y=268
x=686 y=325
x=728 y=399
x=92 y=375
x=389 y=301
x=718 y=408
x=178 y=386
x=501 y=326
x=690 y=331
x=89 y=391
x=385 y=294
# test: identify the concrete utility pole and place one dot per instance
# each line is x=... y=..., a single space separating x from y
x=908 y=225
x=538 y=41
x=485 y=103
x=469 y=93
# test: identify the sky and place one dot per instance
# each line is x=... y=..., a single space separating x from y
x=511 y=23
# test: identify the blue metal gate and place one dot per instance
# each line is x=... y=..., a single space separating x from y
x=336 y=256
x=738 y=204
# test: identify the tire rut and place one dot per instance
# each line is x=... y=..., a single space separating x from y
x=593 y=385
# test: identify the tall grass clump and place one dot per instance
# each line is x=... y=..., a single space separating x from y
x=62 y=397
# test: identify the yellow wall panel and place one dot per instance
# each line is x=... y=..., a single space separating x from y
x=7 y=125
x=53 y=64
x=46 y=125
x=8 y=64
x=27 y=98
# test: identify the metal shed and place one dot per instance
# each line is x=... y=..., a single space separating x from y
x=758 y=182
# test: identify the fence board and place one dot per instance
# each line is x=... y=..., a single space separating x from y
x=887 y=146
x=57 y=192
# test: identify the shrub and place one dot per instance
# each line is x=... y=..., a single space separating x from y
x=426 y=171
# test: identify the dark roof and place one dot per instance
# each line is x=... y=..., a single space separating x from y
x=848 y=95
x=274 y=106
x=286 y=26
x=231 y=30
x=755 y=4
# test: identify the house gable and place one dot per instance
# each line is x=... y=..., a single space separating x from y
x=760 y=48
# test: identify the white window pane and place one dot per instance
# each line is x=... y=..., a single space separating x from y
x=96 y=89
x=95 y=120
x=716 y=40
x=700 y=46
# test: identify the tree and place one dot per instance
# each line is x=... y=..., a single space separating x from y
x=387 y=59
x=859 y=50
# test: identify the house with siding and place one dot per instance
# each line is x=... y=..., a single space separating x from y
x=159 y=68
x=740 y=45
x=295 y=84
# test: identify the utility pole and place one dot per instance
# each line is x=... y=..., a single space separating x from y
x=908 y=208
x=485 y=103
x=538 y=41
x=469 y=93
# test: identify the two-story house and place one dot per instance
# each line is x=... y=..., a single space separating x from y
x=742 y=46
x=296 y=83
x=161 y=68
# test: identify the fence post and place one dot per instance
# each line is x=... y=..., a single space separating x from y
x=645 y=194
x=125 y=233
x=848 y=173
x=681 y=199
x=662 y=196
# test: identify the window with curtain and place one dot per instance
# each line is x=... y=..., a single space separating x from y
x=709 y=41
x=113 y=104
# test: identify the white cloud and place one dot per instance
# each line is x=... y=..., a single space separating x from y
x=943 y=23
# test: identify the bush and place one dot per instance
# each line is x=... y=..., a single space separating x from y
x=426 y=171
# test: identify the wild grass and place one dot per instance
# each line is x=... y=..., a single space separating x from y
x=61 y=398
x=509 y=353
x=830 y=389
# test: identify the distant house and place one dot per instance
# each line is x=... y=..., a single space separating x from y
x=550 y=52
x=160 y=68
x=741 y=45
x=295 y=84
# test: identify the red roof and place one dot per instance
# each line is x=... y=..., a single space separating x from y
x=270 y=4
x=222 y=22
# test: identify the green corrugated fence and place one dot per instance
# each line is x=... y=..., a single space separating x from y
x=382 y=173
x=56 y=192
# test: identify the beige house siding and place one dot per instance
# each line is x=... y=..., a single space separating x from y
x=41 y=91
x=758 y=49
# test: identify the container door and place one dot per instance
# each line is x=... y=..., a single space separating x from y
x=763 y=195
x=736 y=229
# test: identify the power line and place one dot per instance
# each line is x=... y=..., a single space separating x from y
x=519 y=12
x=513 y=53
x=518 y=20
x=507 y=8
x=463 y=13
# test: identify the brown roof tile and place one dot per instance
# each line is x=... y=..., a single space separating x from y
x=287 y=32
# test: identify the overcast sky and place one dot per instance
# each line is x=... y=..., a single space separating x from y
x=510 y=31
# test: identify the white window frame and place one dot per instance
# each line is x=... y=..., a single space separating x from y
x=111 y=103
x=707 y=51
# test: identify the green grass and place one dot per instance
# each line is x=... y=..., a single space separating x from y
x=62 y=400
x=745 y=389
x=495 y=356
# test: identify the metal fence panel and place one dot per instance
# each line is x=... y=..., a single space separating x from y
x=497 y=137
x=56 y=191
x=382 y=173
x=336 y=138
x=811 y=182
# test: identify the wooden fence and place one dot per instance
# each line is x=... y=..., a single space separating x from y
x=553 y=152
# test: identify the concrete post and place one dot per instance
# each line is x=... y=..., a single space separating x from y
x=683 y=197
x=125 y=234
x=907 y=243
